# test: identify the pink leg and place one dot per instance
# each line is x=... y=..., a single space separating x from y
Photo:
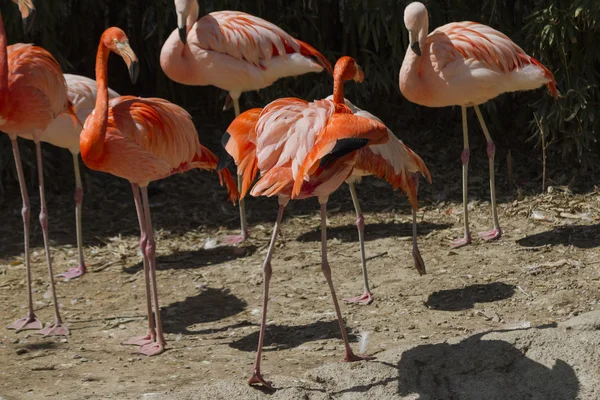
x=367 y=296
x=158 y=345
x=257 y=378
x=56 y=329
x=465 y=171
x=30 y=321
x=419 y=264
x=151 y=335
x=237 y=239
x=81 y=269
x=495 y=233
x=349 y=355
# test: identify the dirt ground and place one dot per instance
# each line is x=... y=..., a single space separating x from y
x=459 y=317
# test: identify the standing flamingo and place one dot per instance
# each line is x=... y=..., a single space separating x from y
x=141 y=140
x=301 y=150
x=398 y=165
x=62 y=133
x=237 y=52
x=466 y=64
x=32 y=94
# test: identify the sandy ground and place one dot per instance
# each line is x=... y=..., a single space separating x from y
x=487 y=321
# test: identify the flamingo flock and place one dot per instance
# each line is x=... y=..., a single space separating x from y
x=292 y=148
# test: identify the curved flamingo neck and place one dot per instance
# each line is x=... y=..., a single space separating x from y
x=338 y=88
x=3 y=63
x=94 y=133
x=193 y=15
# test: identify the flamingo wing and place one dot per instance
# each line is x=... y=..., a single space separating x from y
x=250 y=38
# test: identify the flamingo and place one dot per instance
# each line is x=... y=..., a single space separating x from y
x=237 y=52
x=141 y=140
x=301 y=150
x=33 y=93
x=466 y=64
x=62 y=133
x=398 y=165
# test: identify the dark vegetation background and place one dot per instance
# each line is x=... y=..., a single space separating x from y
x=562 y=34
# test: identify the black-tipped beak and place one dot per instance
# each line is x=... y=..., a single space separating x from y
x=415 y=47
x=134 y=71
x=183 y=35
x=28 y=22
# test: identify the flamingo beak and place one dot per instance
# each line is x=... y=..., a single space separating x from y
x=27 y=10
x=414 y=43
x=181 y=27
x=360 y=75
x=130 y=59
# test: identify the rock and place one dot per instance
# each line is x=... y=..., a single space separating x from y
x=585 y=322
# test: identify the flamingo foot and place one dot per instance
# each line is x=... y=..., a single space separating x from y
x=73 y=273
x=152 y=349
x=257 y=379
x=366 y=298
x=140 y=340
x=495 y=233
x=456 y=243
x=351 y=357
x=235 y=239
x=30 y=322
x=56 y=329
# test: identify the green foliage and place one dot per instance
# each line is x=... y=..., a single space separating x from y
x=559 y=33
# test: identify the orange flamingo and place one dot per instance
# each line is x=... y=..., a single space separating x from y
x=32 y=94
x=466 y=64
x=301 y=150
x=237 y=52
x=141 y=140
x=62 y=133
x=399 y=166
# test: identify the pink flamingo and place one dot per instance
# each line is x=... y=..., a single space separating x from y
x=141 y=140
x=466 y=64
x=32 y=94
x=62 y=133
x=301 y=150
x=399 y=166
x=237 y=52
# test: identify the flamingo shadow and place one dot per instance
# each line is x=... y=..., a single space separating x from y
x=581 y=236
x=465 y=298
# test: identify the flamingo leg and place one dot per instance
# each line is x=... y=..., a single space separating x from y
x=151 y=336
x=465 y=173
x=158 y=345
x=257 y=378
x=56 y=329
x=349 y=355
x=30 y=321
x=237 y=239
x=81 y=269
x=419 y=264
x=367 y=296
x=491 y=151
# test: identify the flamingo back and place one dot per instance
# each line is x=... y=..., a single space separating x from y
x=37 y=89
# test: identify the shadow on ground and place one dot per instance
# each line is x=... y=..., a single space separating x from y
x=581 y=236
x=279 y=337
x=349 y=233
x=195 y=259
x=465 y=298
x=209 y=305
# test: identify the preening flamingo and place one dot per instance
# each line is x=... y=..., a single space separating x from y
x=141 y=140
x=63 y=133
x=237 y=52
x=466 y=64
x=32 y=94
x=301 y=150
x=397 y=164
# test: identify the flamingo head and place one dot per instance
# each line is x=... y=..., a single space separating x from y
x=27 y=10
x=185 y=9
x=416 y=22
x=347 y=68
x=117 y=41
